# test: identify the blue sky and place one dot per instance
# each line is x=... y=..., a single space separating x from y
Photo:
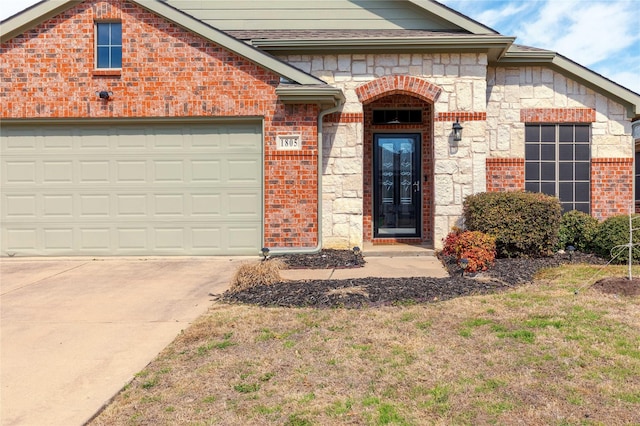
x=603 y=35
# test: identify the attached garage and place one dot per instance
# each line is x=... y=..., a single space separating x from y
x=115 y=188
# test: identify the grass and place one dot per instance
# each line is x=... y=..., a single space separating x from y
x=538 y=354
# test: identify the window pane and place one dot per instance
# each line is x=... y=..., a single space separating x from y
x=532 y=171
x=582 y=207
x=566 y=192
x=532 y=133
x=582 y=191
x=116 y=57
x=548 y=133
x=103 y=34
x=582 y=152
x=567 y=207
x=103 y=57
x=582 y=171
x=532 y=151
x=565 y=152
x=582 y=133
x=548 y=171
x=116 y=34
x=547 y=152
x=532 y=187
x=548 y=188
x=565 y=171
x=565 y=134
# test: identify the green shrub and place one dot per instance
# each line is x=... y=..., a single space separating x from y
x=613 y=232
x=477 y=247
x=523 y=223
x=577 y=229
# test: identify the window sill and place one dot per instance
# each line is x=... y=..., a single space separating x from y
x=107 y=72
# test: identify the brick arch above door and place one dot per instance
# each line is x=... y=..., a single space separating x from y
x=398 y=84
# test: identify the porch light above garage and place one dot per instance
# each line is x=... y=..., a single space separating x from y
x=457 y=131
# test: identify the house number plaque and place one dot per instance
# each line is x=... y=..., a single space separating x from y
x=288 y=142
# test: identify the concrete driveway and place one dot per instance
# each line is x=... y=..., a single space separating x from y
x=74 y=331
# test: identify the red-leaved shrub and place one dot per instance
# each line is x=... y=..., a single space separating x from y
x=475 y=246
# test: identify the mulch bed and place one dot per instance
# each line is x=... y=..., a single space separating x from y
x=355 y=293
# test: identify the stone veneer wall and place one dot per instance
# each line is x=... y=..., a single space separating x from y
x=511 y=90
x=459 y=169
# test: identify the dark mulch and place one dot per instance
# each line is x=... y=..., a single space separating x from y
x=619 y=285
x=354 y=293
x=325 y=259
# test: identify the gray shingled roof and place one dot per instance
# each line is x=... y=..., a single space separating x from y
x=341 y=34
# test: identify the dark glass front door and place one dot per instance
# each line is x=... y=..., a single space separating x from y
x=397 y=185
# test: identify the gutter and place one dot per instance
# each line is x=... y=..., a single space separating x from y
x=338 y=103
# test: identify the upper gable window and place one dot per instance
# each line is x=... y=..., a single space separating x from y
x=109 y=45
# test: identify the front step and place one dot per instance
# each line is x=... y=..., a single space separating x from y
x=396 y=250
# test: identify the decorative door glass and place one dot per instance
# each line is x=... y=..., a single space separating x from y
x=397 y=185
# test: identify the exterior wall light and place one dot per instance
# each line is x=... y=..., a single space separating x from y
x=457 y=131
x=104 y=94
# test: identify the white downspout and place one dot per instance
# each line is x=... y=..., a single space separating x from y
x=318 y=247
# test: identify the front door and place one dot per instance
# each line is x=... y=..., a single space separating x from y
x=397 y=186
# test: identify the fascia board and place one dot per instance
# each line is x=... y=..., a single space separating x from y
x=422 y=43
x=23 y=21
x=453 y=17
x=294 y=94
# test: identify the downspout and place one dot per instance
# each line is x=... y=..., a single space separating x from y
x=318 y=247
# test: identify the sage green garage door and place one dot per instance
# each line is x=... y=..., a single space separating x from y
x=143 y=189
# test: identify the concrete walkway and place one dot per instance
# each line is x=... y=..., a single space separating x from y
x=75 y=331
x=400 y=266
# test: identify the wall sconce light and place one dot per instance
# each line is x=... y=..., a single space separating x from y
x=104 y=94
x=457 y=131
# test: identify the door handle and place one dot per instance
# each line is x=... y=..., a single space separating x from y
x=416 y=186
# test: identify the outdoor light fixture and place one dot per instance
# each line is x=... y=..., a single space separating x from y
x=265 y=253
x=463 y=264
x=571 y=249
x=104 y=94
x=457 y=131
x=356 y=250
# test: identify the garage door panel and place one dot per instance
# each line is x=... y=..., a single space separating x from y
x=131 y=171
x=168 y=171
x=19 y=206
x=169 y=205
x=19 y=172
x=94 y=171
x=56 y=239
x=131 y=190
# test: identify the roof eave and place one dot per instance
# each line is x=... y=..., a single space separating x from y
x=496 y=46
x=321 y=95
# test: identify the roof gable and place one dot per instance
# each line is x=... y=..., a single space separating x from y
x=29 y=18
x=329 y=15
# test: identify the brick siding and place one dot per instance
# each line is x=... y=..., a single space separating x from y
x=558 y=115
x=48 y=72
x=611 y=186
x=505 y=174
